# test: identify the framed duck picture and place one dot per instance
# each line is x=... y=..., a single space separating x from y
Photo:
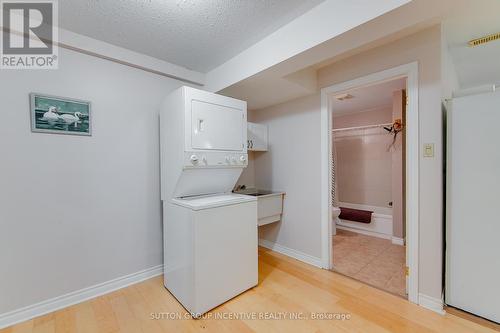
x=60 y=115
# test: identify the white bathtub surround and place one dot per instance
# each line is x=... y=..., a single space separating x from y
x=368 y=229
x=398 y=241
x=380 y=226
x=362 y=163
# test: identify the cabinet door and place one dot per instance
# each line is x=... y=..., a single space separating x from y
x=216 y=127
x=257 y=137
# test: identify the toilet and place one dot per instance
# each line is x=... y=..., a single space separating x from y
x=335 y=218
x=335 y=212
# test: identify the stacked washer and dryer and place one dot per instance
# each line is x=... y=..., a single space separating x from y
x=209 y=233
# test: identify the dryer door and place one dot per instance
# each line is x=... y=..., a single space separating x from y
x=216 y=127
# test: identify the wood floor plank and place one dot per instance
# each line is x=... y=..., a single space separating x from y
x=46 y=326
x=287 y=287
x=141 y=311
x=85 y=319
x=65 y=320
x=127 y=322
x=104 y=314
x=163 y=303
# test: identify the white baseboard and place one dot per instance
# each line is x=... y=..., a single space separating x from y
x=431 y=303
x=397 y=240
x=308 y=259
x=75 y=297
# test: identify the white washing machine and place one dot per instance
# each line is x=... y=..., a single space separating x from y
x=210 y=234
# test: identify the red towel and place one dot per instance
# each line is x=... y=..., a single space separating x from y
x=357 y=215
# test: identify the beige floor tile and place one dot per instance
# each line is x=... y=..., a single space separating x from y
x=372 y=260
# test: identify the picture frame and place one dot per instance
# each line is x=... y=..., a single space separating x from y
x=60 y=115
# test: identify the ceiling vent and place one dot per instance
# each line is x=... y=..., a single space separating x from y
x=343 y=97
x=484 y=40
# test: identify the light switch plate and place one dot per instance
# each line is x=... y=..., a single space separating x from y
x=428 y=150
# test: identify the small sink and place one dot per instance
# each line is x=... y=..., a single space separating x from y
x=259 y=193
x=254 y=192
x=269 y=204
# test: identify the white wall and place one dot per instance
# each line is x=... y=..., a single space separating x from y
x=78 y=211
x=294 y=161
x=449 y=81
x=291 y=165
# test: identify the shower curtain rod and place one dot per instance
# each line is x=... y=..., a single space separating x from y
x=360 y=127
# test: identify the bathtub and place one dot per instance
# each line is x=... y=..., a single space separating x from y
x=380 y=225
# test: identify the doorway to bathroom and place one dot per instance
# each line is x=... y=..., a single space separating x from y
x=368 y=184
x=370 y=224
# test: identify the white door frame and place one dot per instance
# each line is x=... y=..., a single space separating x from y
x=410 y=71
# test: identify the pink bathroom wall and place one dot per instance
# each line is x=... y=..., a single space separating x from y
x=364 y=165
x=373 y=117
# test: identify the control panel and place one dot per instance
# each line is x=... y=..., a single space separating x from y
x=195 y=159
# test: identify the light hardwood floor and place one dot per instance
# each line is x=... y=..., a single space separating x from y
x=285 y=285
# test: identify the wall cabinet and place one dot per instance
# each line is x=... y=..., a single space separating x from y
x=257 y=135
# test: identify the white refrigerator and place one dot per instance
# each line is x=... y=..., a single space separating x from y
x=473 y=205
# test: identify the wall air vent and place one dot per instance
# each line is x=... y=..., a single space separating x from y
x=484 y=40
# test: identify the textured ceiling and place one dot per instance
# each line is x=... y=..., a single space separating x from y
x=196 y=34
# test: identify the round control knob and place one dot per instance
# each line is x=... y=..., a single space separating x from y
x=194 y=159
x=243 y=158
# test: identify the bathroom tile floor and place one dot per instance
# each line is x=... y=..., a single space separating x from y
x=371 y=260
